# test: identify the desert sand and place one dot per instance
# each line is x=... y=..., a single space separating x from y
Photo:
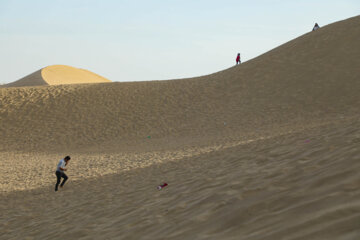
x=268 y=149
x=57 y=75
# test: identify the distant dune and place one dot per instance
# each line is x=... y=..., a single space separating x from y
x=58 y=75
x=268 y=149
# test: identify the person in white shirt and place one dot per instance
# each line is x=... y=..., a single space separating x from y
x=60 y=172
x=316 y=27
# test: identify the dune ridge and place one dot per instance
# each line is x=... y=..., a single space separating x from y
x=265 y=150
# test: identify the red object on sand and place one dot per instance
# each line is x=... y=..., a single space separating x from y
x=162 y=186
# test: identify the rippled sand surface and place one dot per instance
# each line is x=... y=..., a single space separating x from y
x=297 y=186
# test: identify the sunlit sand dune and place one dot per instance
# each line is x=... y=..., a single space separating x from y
x=58 y=75
x=265 y=150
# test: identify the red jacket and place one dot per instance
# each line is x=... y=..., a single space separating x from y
x=238 y=58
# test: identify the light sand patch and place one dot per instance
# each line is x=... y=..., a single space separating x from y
x=61 y=74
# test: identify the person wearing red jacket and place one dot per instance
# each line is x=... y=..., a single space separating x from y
x=238 y=61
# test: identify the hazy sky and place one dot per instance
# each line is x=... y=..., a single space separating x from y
x=132 y=40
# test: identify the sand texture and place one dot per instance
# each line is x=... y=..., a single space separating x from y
x=269 y=149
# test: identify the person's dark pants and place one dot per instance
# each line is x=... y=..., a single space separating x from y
x=60 y=175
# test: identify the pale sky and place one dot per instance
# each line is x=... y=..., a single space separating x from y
x=138 y=40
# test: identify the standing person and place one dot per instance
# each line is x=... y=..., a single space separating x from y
x=60 y=172
x=238 y=61
x=316 y=27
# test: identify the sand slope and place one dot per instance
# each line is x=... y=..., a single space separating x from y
x=265 y=150
x=299 y=186
x=33 y=79
x=57 y=75
x=310 y=79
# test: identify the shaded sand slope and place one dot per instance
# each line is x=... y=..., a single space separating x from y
x=308 y=81
x=33 y=79
x=298 y=186
x=57 y=75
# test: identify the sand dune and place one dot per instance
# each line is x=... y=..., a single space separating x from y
x=265 y=150
x=58 y=75
x=310 y=79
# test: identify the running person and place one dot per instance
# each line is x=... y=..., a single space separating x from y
x=60 y=172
